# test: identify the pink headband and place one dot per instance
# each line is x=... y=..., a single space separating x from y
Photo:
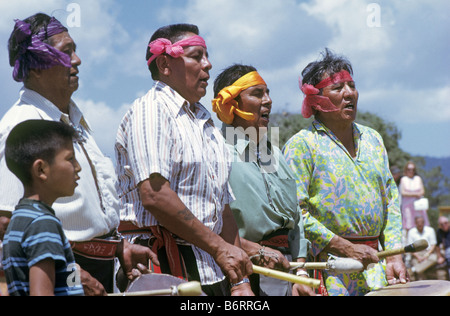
x=317 y=102
x=163 y=45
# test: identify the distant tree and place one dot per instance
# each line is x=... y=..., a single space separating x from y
x=291 y=124
x=391 y=137
x=437 y=185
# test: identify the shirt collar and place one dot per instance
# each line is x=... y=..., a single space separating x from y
x=41 y=206
x=180 y=105
x=75 y=116
x=321 y=127
x=242 y=141
x=357 y=136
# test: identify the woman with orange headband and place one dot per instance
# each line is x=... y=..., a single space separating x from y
x=346 y=191
x=265 y=206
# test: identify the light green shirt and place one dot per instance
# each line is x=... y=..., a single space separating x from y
x=265 y=194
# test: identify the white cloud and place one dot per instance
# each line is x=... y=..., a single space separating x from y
x=104 y=121
x=248 y=31
x=21 y=9
x=411 y=105
x=399 y=67
x=100 y=33
x=364 y=43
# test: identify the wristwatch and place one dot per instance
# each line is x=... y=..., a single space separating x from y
x=244 y=280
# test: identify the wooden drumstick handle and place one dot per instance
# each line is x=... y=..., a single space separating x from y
x=193 y=288
x=416 y=246
x=339 y=265
x=309 y=265
x=286 y=276
x=145 y=293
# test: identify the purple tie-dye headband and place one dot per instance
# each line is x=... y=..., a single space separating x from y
x=34 y=53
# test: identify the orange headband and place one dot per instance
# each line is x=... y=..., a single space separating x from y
x=225 y=104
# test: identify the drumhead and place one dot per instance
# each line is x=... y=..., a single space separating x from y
x=154 y=281
x=418 y=288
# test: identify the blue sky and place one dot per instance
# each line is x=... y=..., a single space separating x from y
x=399 y=50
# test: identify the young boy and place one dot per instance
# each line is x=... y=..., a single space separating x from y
x=38 y=259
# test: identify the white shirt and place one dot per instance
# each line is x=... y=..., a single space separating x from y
x=160 y=134
x=413 y=184
x=428 y=233
x=81 y=215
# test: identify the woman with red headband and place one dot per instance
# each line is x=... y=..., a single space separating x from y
x=351 y=206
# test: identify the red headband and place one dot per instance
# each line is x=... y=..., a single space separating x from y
x=317 y=102
x=163 y=45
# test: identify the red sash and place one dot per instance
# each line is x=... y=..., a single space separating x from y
x=278 y=239
x=160 y=237
x=98 y=249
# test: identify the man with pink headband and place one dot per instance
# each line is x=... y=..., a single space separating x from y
x=173 y=170
x=44 y=58
x=345 y=188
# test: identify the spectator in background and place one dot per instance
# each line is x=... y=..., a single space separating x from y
x=443 y=243
x=397 y=174
x=423 y=261
x=411 y=189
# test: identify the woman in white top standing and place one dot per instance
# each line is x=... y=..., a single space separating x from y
x=411 y=189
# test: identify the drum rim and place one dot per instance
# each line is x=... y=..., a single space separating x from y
x=409 y=284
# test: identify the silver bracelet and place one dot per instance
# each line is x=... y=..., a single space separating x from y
x=244 y=280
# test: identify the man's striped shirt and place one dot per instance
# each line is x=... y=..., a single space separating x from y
x=161 y=135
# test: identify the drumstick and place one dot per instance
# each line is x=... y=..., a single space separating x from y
x=416 y=246
x=309 y=265
x=339 y=265
x=193 y=288
x=286 y=276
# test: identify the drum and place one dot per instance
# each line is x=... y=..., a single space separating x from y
x=418 y=288
x=155 y=284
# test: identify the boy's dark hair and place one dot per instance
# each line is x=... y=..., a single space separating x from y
x=329 y=64
x=32 y=140
x=173 y=33
x=231 y=75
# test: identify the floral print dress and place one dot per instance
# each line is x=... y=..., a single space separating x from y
x=345 y=196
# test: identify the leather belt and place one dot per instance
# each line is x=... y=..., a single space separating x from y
x=100 y=248
x=277 y=239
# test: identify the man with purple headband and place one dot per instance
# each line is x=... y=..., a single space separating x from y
x=173 y=170
x=44 y=59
